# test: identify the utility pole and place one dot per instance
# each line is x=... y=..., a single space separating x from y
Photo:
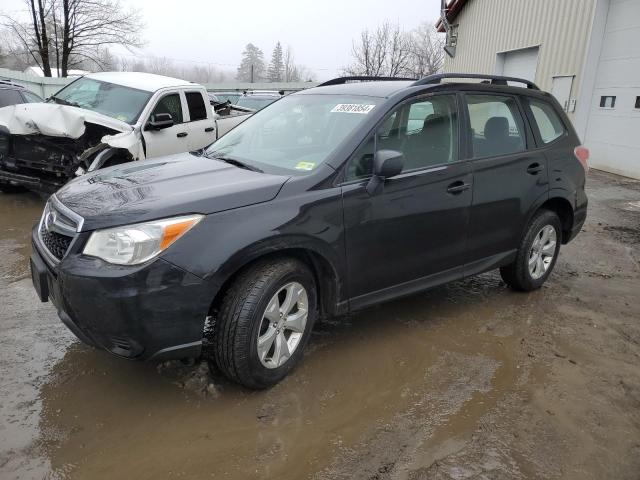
x=252 y=73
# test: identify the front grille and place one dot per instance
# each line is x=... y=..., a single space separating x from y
x=58 y=228
x=56 y=243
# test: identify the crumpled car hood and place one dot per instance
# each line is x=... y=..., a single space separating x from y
x=50 y=119
x=54 y=120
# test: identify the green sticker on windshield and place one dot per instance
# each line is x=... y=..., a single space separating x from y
x=305 y=165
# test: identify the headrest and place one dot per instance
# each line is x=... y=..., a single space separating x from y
x=496 y=127
x=436 y=131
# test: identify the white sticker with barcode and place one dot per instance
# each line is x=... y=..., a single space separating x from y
x=352 y=108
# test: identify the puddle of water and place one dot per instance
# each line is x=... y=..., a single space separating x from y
x=101 y=414
x=18 y=213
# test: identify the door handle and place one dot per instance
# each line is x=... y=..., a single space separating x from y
x=458 y=187
x=534 y=168
x=209 y=129
x=182 y=134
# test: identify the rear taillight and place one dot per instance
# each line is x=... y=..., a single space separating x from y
x=582 y=154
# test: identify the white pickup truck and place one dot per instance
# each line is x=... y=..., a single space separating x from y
x=105 y=119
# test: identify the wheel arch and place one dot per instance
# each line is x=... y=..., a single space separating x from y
x=324 y=272
x=560 y=203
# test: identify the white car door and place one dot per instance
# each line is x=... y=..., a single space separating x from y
x=201 y=126
x=174 y=139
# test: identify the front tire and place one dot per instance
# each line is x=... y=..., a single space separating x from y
x=264 y=322
x=537 y=253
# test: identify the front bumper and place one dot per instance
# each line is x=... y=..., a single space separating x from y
x=155 y=311
x=32 y=182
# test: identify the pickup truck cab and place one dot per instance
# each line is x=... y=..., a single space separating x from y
x=104 y=119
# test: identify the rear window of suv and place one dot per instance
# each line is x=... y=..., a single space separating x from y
x=549 y=123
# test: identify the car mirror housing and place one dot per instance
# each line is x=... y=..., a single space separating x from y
x=159 y=121
x=386 y=164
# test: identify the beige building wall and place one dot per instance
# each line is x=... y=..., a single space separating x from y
x=560 y=28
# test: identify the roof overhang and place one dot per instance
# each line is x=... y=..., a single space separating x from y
x=453 y=9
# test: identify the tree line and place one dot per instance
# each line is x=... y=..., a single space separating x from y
x=281 y=68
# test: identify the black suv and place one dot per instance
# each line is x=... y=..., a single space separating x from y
x=13 y=94
x=327 y=201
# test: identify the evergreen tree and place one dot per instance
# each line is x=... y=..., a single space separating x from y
x=276 y=67
x=251 y=57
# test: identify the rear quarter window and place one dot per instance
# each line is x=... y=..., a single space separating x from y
x=549 y=123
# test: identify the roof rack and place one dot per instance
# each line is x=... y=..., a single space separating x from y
x=360 y=78
x=494 y=79
x=8 y=81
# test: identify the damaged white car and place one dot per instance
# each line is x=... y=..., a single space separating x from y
x=105 y=119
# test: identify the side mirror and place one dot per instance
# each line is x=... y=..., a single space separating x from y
x=386 y=164
x=159 y=121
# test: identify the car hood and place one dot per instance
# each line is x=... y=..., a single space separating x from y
x=165 y=187
x=54 y=120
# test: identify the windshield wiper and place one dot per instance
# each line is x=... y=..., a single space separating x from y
x=235 y=162
x=64 y=102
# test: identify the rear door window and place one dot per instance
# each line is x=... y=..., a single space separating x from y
x=497 y=127
x=197 y=107
x=549 y=124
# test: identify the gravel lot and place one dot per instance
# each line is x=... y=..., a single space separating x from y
x=466 y=381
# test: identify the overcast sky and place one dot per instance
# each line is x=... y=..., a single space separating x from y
x=319 y=32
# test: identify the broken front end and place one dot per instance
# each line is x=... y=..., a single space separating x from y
x=44 y=146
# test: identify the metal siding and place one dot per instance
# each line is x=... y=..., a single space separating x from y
x=560 y=28
x=612 y=134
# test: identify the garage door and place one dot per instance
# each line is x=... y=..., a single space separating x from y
x=614 y=115
x=518 y=63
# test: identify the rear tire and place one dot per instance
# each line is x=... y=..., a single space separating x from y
x=254 y=312
x=537 y=253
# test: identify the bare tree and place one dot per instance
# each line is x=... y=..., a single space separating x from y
x=427 y=51
x=74 y=32
x=383 y=52
x=91 y=25
x=32 y=34
x=389 y=51
x=15 y=55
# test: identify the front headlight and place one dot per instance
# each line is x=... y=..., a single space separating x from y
x=134 y=244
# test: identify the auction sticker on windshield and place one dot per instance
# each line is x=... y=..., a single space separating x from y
x=305 y=165
x=352 y=108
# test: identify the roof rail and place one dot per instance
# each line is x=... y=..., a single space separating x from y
x=495 y=79
x=360 y=78
x=8 y=81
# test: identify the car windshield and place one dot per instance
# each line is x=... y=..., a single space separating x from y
x=255 y=102
x=117 y=101
x=296 y=133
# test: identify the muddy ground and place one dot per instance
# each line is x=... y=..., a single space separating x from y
x=467 y=381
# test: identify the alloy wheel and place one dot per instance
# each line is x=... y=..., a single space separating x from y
x=282 y=325
x=542 y=251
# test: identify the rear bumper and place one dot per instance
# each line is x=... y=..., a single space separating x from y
x=579 y=217
x=152 y=312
